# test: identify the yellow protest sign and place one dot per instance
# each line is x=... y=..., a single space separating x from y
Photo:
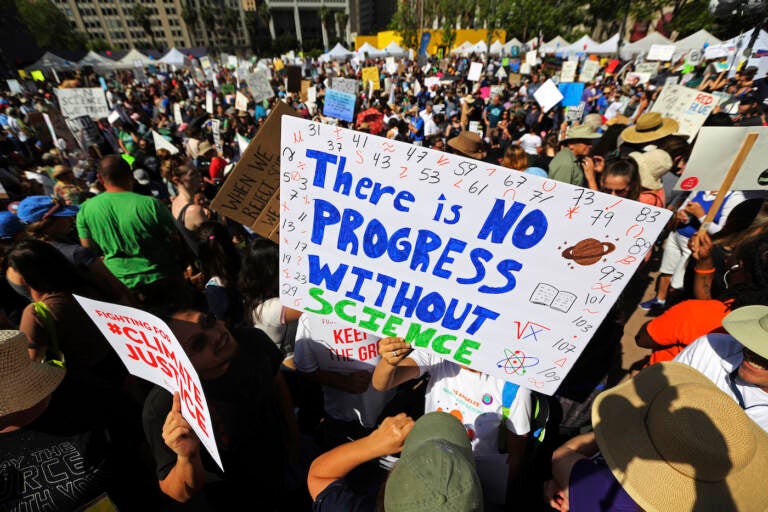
x=38 y=76
x=22 y=73
x=371 y=74
x=279 y=64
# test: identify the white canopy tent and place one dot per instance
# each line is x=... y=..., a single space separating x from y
x=533 y=44
x=631 y=50
x=554 y=45
x=96 y=61
x=368 y=48
x=496 y=48
x=132 y=58
x=480 y=47
x=464 y=48
x=696 y=41
x=584 y=45
x=50 y=60
x=609 y=46
x=394 y=50
x=173 y=58
x=509 y=44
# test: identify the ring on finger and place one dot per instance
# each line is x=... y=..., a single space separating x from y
x=394 y=354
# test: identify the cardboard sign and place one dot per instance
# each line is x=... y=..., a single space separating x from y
x=250 y=195
x=312 y=95
x=241 y=101
x=662 y=52
x=652 y=68
x=14 y=86
x=83 y=101
x=177 y=114
x=568 y=72
x=531 y=58
x=232 y=61
x=258 y=84
x=371 y=74
x=205 y=62
x=575 y=113
x=209 y=102
x=716 y=147
x=216 y=132
x=339 y=105
x=391 y=66
x=85 y=131
x=345 y=85
x=475 y=71
x=548 y=95
x=148 y=349
x=507 y=273
x=293 y=73
x=501 y=73
x=62 y=130
x=688 y=107
x=161 y=143
x=588 y=70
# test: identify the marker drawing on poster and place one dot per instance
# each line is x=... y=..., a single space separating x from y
x=504 y=272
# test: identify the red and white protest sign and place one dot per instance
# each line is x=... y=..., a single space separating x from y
x=149 y=350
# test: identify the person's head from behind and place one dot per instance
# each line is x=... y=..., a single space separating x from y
x=184 y=176
x=260 y=279
x=515 y=157
x=36 y=268
x=436 y=471
x=206 y=341
x=114 y=171
x=620 y=178
x=216 y=252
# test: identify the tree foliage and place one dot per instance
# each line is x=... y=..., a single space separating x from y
x=51 y=29
x=405 y=22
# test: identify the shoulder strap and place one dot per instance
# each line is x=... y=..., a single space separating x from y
x=53 y=354
x=182 y=213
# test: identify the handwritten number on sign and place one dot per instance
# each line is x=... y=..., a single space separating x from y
x=647 y=215
x=582 y=323
x=564 y=346
x=381 y=161
x=641 y=245
x=357 y=139
x=465 y=168
x=288 y=225
x=610 y=271
x=287 y=289
x=516 y=180
x=537 y=194
x=475 y=189
x=314 y=129
x=421 y=156
x=334 y=147
x=301 y=278
x=602 y=215
x=430 y=175
x=588 y=196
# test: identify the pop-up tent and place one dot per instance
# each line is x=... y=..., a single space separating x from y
x=371 y=50
x=173 y=58
x=631 y=50
x=394 y=50
x=338 y=52
x=132 y=59
x=696 y=41
x=496 y=48
x=463 y=49
x=584 y=45
x=480 y=47
x=96 y=61
x=49 y=60
x=509 y=44
x=609 y=46
x=554 y=45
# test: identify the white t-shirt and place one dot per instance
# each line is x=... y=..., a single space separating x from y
x=323 y=344
x=268 y=316
x=530 y=143
x=477 y=400
x=717 y=356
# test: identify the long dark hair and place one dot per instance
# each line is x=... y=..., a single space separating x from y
x=217 y=254
x=45 y=269
x=259 y=280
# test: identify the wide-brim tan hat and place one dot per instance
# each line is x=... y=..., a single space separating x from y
x=469 y=144
x=204 y=147
x=652 y=165
x=749 y=325
x=23 y=382
x=581 y=133
x=618 y=119
x=674 y=441
x=649 y=127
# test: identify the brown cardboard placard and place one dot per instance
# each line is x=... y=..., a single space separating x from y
x=304 y=89
x=293 y=74
x=251 y=193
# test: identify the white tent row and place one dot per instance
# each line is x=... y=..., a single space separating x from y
x=338 y=52
x=173 y=58
x=132 y=59
x=554 y=45
x=496 y=48
x=50 y=60
x=631 y=50
x=371 y=50
x=96 y=61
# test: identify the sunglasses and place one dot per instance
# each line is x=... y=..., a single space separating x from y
x=614 y=191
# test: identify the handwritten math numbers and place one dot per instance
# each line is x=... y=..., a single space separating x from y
x=583 y=197
x=359 y=140
x=610 y=272
x=429 y=175
x=381 y=161
x=314 y=129
x=640 y=246
x=515 y=179
x=564 y=346
x=647 y=215
x=334 y=146
x=465 y=168
x=420 y=155
x=550 y=374
x=601 y=216
x=582 y=323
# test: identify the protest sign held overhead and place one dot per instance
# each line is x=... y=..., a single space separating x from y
x=241 y=101
x=662 y=52
x=568 y=71
x=505 y=272
x=548 y=95
x=475 y=70
x=371 y=75
x=345 y=85
x=83 y=101
x=148 y=349
x=339 y=105
x=588 y=70
x=209 y=102
x=258 y=84
x=161 y=143
x=688 y=107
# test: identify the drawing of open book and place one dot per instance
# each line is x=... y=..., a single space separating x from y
x=548 y=295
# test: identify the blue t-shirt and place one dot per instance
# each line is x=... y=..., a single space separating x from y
x=493 y=112
x=593 y=488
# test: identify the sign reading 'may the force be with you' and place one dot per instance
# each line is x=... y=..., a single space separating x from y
x=487 y=267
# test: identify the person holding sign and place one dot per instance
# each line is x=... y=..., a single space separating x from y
x=484 y=404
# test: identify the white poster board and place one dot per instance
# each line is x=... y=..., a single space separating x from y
x=662 y=52
x=83 y=101
x=345 y=85
x=688 y=107
x=475 y=71
x=241 y=101
x=568 y=72
x=531 y=58
x=588 y=70
x=216 y=132
x=391 y=65
x=548 y=95
x=209 y=102
x=652 y=68
x=507 y=273
x=177 y=114
x=716 y=148
x=161 y=143
x=258 y=84
x=148 y=349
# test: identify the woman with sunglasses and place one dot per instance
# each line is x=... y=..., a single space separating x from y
x=619 y=178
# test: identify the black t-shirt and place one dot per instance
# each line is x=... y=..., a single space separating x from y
x=249 y=428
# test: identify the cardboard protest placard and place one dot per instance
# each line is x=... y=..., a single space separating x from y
x=662 y=52
x=148 y=349
x=62 y=130
x=548 y=95
x=216 y=132
x=242 y=143
x=293 y=73
x=531 y=57
x=250 y=195
x=83 y=101
x=588 y=70
x=716 y=147
x=14 y=86
x=232 y=61
x=339 y=105
x=85 y=131
x=501 y=73
x=507 y=273
x=36 y=121
x=572 y=93
x=371 y=74
x=575 y=113
x=345 y=85
x=475 y=70
x=688 y=107
x=259 y=85
x=304 y=94
x=514 y=78
x=431 y=81
x=568 y=71
x=652 y=68
x=209 y=102
x=642 y=78
x=391 y=66
x=177 y=114
x=161 y=143
x=205 y=62
x=312 y=94
x=241 y=101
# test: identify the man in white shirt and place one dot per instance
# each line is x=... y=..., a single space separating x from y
x=531 y=142
x=737 y=362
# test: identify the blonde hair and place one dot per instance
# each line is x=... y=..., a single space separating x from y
x=515 y=157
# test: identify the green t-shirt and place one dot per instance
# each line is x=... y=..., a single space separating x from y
x=132 y=231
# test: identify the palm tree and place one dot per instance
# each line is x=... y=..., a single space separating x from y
x=341 y=22
x=323 y=12
x=265 y=16
x=141 y=15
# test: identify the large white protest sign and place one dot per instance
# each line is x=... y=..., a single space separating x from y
x=209 y=102
x=588 y=70
x=475 y=70
x=568 y=72
x=501 y=271
x=177 y=114
x=241 y=101
x=662 y=52
x=148 y=349
x=161 y=143
x=652 y=68
x=391 y=65
x=531 y=57
x=345 y=85
x=83 y=101
x=258 y=84
x=688 y=107
x=548 y=95
x=716 y=148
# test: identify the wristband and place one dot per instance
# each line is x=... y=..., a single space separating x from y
x=705 y=271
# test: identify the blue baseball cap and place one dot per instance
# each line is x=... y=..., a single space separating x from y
x=10 y=225
x=36 y=208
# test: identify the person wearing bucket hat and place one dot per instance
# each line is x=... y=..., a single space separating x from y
x=435 y=471
x=666 y=440
x=468 y=144
x=652 y=165
x=568 y=162
x=649 y=127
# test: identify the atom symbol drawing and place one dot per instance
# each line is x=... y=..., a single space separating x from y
x=515 y=363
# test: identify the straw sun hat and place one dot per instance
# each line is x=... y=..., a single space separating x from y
x=23 y=382
x=649 y=127
x=674 y=441
x=469 y=144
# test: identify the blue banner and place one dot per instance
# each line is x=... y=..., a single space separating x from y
x=424 y=43
x=339 y=105
x=571 y=92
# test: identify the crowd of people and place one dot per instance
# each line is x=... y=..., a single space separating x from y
x=109 y=215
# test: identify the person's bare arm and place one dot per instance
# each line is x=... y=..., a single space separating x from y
x=90 y=244
x=394 y=367
x=186 y=477
x=291 y=315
